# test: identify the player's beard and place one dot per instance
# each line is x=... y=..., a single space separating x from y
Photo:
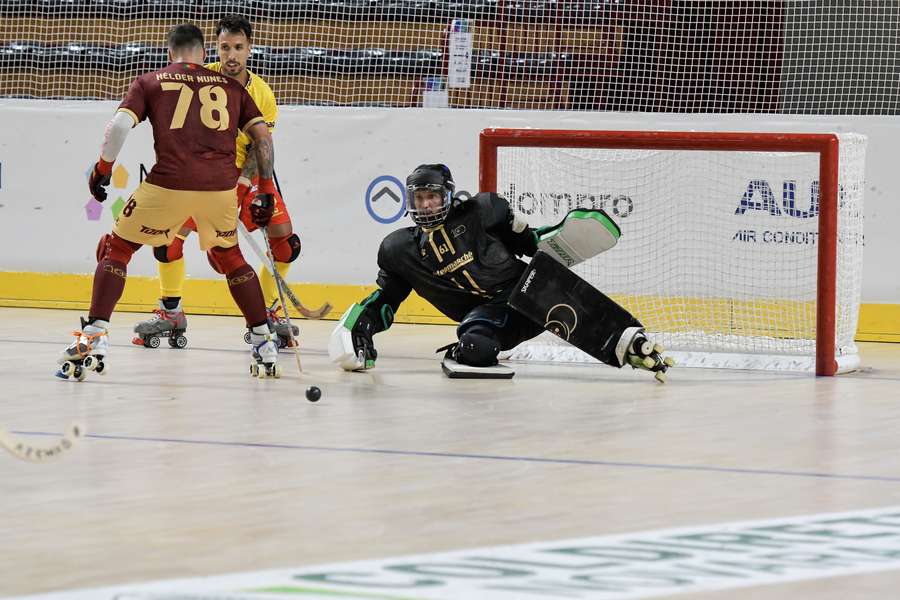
x=233 y=72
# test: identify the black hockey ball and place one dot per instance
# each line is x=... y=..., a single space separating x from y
x=313 y=393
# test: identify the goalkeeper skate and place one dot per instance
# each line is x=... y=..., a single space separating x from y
x=641 y=353
x=164 y=323
x=264 y=361
x=86 y=353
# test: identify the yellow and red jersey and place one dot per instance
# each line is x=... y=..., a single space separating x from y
x=262 y=94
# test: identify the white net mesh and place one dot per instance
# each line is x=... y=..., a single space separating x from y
x=698 y=56
x=718 y=253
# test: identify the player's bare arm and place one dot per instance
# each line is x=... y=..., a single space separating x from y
x=249 y=170
x=263 y=149
x=263 y=205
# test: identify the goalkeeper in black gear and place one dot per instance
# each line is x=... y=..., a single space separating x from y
x=464 y=257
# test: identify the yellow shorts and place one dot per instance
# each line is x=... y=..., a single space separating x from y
x=154 y=215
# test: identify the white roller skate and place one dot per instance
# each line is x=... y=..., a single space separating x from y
x=279 y=323
x=86 y=353
x=264 y=361
x=164 y=323
x=641 y=353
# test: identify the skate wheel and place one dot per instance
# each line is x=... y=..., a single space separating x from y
x=660 y=376
x=79 y=374
x=646 y=348
x=649 y=363
x=254 y=370
x=153 y=342
x=101 y=368
x=669 y=361
x=276 y=371
x=67 y=368
x=178 y=341
x=247 y=338
x=658 y=348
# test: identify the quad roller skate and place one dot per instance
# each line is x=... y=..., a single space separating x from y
x=279 y=323
x=164 y=323
x=645 y=354
x=86 y=353
x=264 y=358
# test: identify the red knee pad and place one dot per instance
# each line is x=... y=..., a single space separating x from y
x=225 y=260
x=170 y=253
x=115 y=248
x=285 y=249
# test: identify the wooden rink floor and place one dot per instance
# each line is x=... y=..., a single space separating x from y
x=191 y=468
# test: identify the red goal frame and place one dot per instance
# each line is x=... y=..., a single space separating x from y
x=824 y=144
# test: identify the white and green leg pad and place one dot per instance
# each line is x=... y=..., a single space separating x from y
x=582 y=234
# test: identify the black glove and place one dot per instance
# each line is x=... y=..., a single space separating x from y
x=261 y=209
x=362 y=333
x=99 y=179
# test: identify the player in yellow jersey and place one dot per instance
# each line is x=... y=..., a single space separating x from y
x=233 y=40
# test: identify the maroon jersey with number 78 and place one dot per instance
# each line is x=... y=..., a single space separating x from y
x=196 y=114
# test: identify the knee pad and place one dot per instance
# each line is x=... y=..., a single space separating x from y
x=286 y=249
x=170 y=253
x=478 y=347
x=113 y=247
x=225 y=260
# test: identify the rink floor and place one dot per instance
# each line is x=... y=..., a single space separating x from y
x=191 y=468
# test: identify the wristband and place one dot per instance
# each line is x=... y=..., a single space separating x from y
x=266 y=186
x=104 y=167
x=243 y=186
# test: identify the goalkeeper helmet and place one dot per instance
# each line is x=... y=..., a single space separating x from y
x=433 y=178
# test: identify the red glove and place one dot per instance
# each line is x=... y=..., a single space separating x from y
x=263 y=205
x=99 y=179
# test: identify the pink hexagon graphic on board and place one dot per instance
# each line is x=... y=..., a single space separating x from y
x=93 y=209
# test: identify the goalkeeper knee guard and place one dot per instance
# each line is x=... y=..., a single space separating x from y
x=478 y=347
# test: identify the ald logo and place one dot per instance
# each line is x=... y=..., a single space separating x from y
x=759 y=196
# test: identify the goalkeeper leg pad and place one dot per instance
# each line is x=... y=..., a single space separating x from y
x=569 y=307
x=582 y=234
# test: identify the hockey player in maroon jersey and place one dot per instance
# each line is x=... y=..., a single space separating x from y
x=195 y=114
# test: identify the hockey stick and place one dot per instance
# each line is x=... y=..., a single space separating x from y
x=309 y=314
x=279 y=286
x=27 y=452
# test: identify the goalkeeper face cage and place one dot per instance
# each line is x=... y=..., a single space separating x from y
x=430 y=217
x=432 y=178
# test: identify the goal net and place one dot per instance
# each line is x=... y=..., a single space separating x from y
x=686 y=56
x=738 y=250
